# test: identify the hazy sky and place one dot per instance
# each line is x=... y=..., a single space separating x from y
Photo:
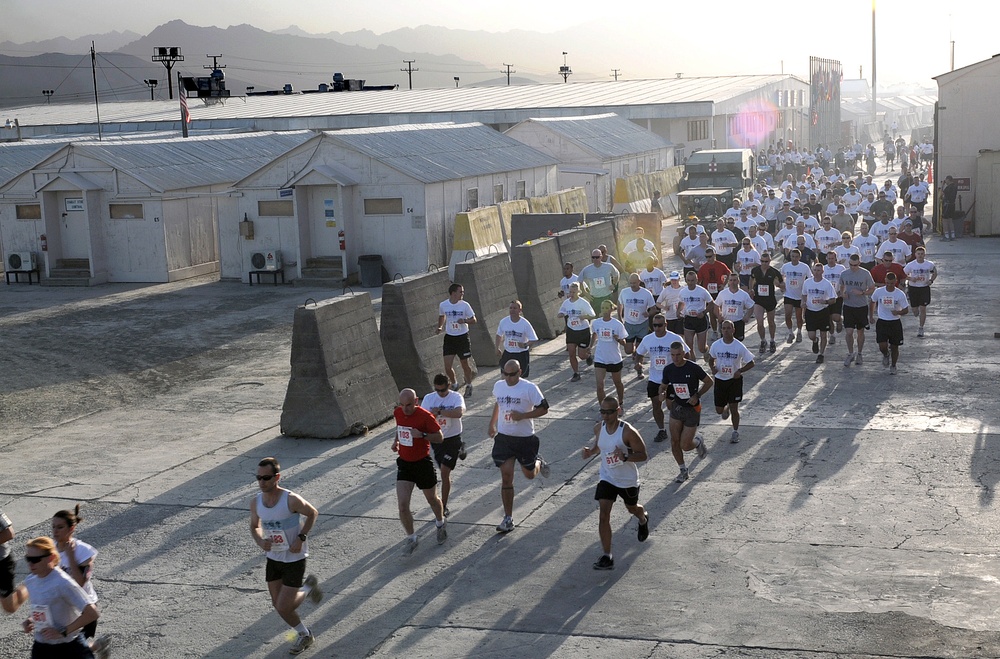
x=913 y=36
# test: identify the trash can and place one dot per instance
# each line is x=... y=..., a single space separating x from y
x=371 y=270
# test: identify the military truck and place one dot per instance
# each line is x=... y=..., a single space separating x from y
x=712 y=179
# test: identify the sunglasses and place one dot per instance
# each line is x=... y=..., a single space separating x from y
x=36 y=559
x=509 y=375
x=603 y=411
x=765 y=260
x=657 y=324
x=440 y=391
x=265 y=478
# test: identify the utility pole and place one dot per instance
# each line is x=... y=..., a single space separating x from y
x=215 y=63
x=614 y=74
x=874 y=105
x=151 y=83
x=409 y=70
x=167 y=55
x=564 y=70
x=97 y=100
x=509 y=71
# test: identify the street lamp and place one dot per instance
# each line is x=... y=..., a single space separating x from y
x=48 y=94
x=151 y=83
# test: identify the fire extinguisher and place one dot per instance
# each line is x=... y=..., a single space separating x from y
x=45 y=243
x=343 y=242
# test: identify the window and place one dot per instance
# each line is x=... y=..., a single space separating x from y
x=280 y=208
x=520 y=190
x=126 y=211
x=472 y=198
x=698 y=130
x=389 y=206
x=498 y=193
x=29 y=211
x=652 y=164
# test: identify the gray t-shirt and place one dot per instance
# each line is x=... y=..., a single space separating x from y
x=4 y=525
x=862 y=279
x=600 y=279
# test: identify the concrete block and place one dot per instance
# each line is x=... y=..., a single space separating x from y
x=531 y=226
x=537 y=270
x=576 y=245
x=339 y=376
x=409 y=317
x=489 y=288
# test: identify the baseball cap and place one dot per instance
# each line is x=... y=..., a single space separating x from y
x=675 y=275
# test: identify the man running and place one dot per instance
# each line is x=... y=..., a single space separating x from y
x=890 y=305
x=578 y=314
x=280 y=521
x=734 y=304
x=920 y=274
x=416 y=430
x=455 y=315
x=795 y=274
x=600 y=279
x=819 y=296
x=635 y=306
x=729 y=359
x=568 y=278
x=657 y=346
x=447 y=406
x=681 y=378
x=698 y=305
x=856 y=285
x=512 y=428
x=514 y=337
x=669 y=303
x=712 y=276
x=764 y=281
x=831 y=272
x=620 y=447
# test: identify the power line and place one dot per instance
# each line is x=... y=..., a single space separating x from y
x=409 y=70
x=509 y=71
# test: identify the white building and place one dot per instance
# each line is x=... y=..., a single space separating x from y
x=391 y=191
x=595 y=150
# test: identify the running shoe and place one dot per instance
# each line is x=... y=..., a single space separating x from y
x=544 y=470
x=892 y=370
x=638 y=368
x=858 y=361
x=468 y=391
x=660 y=435
x=819 y=359
x=315 y=594
x=455 y=387
x=590 y=360
x=798 y=337
x=772 y=347
x=506 y=525
x=644 y=529
x=442 y=533
x=605 y=563
x=725 y=412
x=920 y=332
x=682 y=476
x=101 y=647
x=461 y=451
x=701 y=448
x=833 y=338
x=575 y=378
x=885 y=359
x=408 y=546
x=815 y=346
x=791 y=338
x=763 y=347
x=446 y=511
x=849 y=359
x=735 y=437
x=302 y=644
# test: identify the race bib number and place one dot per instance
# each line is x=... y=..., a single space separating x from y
x=692 y=312
x=404 y=436
x=455 y=327
x=274 y=533
x=599 y=282
x=575 y=322
x=659 y=363
x=793 y=282
x=682 y=391
x=916 y=278
x=606 y=335
x=611 y=459
x=507 y=418
x=512 y=344
x=633 y=315
x=818 y=301
x=41 y=617
x=726 y=371
x=713 y=288
x=763 y=289
x=442 y=421
x=888 y=302
x=732 y=310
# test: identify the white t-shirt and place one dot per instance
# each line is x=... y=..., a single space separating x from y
x=746 y=261
x=886 y=302
x=668 y=299
x=880 y=230
x=687 y=242
x=724 y=242
x=917 y=192
x=608 y=332
x=733 y=306
x=868 y=187
x=809 y=241
x=844 y=253
x=450 y=401
x=514 y=333
x=782 y=237
x=866 y=247
x=521 y=397
x=832 y=275
x=729 y=358
x=760 y=244
x=565 y=282
x=635 y=305
x=816 y=293
x=795 y=276
x=918 y=275
x=575 y=312
x=84 y=553
x=658 y=349
x=890 y=193
x=809 y=222
x=633 y=246
x=900 y=251
x=695 y=301
x=653 y=280
x=56 y=601
x=452 y=313
x=851 y=201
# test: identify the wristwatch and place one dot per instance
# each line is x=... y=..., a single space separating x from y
x=62 y=630
x=302 y=537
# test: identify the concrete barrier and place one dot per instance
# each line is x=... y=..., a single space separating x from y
x=477 y=231
x=340 y=379
x=576 y=245
x=489 y=288
x=409 y=316
x=531 y=226
x=537 y=270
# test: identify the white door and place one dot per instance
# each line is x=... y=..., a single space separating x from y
x=74 y=229
x=324 y=208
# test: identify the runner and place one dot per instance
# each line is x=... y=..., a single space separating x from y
x=568 y=278
x=795 y=274
x=60 y=608
x=831 y=272
x=600 y=279
x=455 y=316
x=764 y=282
x=725 y=243
x=608 y=334
x=447 y=406
x=512 y=427
x=867 y=245
x=729 y=359
x=578 y=314
x=818 y=295
x=889 y=304
x=636 y=306
x=657 y=346
x=900 y=251
x=76 y=558
x=680 y=387
x=638 y=250
x=514 y=337
x=712 y=276
x=653 y=278
x=734 y=304
x=669 y=303
x=698 y=304
x=886 y=265
x=856 y=285
x=416 y=430
x=845 y=248
x=6 y=564
x=826 y=239
x=920 y=274
x=620 y=447
x=276 y=528
x=747 y=258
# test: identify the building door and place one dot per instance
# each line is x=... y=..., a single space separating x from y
x=324 y=220
x=74 y=228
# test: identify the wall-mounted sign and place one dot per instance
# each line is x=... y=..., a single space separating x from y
x=74 y=204
x=285 y=192
x=964 y=183
x=328 y=208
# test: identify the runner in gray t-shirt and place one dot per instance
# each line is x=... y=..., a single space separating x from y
x=856 y=284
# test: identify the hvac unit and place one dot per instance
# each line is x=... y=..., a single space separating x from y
x=21 y=262
x=269 y=259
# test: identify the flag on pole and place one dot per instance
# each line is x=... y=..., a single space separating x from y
x=185 y=112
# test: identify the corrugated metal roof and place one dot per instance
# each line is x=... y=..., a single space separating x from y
x=16 y=157
x=177 y=163
x=442 y=152
x=605 y=135
x=582 y=95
